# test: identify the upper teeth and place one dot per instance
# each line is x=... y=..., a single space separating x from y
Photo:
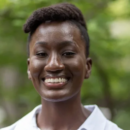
x=55 y=80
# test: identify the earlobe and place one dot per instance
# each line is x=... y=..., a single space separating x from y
x=28 y=70
x=29 y=75
x=88 y=67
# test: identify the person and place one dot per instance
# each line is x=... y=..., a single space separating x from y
x=58 y=62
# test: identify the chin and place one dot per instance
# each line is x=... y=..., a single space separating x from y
x=55 y=100
x=59 y=98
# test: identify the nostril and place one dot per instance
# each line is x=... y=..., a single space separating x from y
x=54 y=63
x=55 y=68
x=68 y=78
x=54 y=71
x=43 y=79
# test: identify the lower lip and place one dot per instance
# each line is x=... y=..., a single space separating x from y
x=54 y=85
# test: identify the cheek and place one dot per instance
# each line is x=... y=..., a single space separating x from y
x=36 y=67
x=77 y=66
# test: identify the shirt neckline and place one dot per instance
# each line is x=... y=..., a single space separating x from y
x=95 y=120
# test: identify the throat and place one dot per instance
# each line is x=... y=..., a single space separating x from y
x=61 y=116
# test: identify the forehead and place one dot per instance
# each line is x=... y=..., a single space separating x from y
x=53 y=32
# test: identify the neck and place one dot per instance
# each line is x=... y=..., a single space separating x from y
x=66 y=115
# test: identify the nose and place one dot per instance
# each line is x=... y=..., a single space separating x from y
x=54 y=63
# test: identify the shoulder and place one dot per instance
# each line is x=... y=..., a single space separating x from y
x=26 y=122
x=12 y=127
x=16 y=124
x=111 y=126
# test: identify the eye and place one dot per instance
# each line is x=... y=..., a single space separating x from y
x=69 y=53
x=41 y=54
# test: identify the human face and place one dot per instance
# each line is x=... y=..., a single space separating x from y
x=57 y=64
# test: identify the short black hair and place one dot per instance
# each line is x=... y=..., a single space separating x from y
x=57 y=13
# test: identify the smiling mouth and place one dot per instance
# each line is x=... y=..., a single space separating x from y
x=55 y=82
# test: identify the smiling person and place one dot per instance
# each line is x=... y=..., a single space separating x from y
x=58 y=62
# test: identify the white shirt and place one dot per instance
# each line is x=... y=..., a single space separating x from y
x=96 y=121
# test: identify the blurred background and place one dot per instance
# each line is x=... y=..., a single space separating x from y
x=108 y=24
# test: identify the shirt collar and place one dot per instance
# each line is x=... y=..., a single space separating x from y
x=96 y=120
x=29 y=121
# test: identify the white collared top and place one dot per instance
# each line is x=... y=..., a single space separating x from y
x=96 y=121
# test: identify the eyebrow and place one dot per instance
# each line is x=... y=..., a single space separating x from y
x=61 y=43
x=41 y=42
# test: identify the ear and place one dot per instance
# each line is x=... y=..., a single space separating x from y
x=88 y=67
x=28 y=70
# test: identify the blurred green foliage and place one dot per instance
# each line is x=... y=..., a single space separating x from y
x=109 y=31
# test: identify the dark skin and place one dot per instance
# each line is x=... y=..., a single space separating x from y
x=57 y=50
